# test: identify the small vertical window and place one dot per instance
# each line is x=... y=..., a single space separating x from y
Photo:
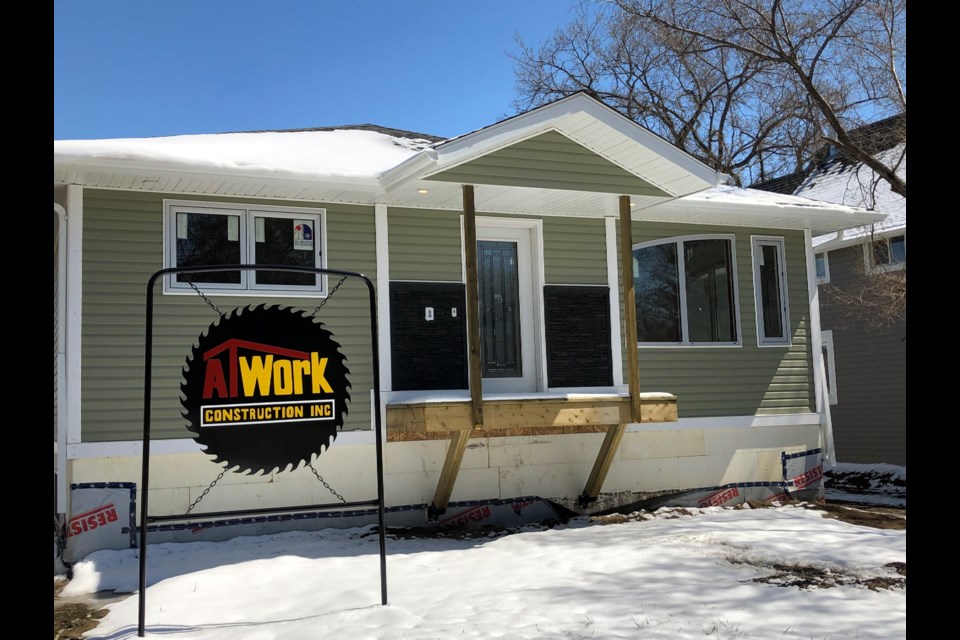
x=770 y=291
x=823 y=268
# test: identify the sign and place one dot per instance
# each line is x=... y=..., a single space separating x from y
x=265 y=388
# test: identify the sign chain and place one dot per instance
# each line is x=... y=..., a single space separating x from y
x=207 y=300
x=206 y=491
x=330 y=295
x=329 y=488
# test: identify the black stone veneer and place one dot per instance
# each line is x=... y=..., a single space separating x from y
x=428 y=354
x=578 y=336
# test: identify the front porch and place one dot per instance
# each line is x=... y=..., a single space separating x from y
x=450 y=416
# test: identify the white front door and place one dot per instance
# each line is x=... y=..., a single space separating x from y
x=509 y=316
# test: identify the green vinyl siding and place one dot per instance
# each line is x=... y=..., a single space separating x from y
x=425 y=245
x=574 y=250
x=123 y=247
x=551 y=161
x=745 y=379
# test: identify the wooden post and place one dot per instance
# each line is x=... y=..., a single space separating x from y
x=629 y=306
x=473 y=305
x=448 y=476
x=615 y=433
x=611 y=442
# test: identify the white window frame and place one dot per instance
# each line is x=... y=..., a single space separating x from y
x=756 y=242
x=682 y=290
x=247 y=234
x=826 y=266
x=870 y=265
x=826 y=342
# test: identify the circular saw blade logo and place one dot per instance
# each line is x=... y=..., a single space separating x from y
x=265 y=388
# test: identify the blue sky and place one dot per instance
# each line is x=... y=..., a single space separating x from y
x=127 y=68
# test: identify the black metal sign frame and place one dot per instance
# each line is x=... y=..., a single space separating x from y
x=145 y=517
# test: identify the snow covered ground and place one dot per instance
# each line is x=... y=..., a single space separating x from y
x=779 y=572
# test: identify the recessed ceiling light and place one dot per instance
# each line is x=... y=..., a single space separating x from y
x=421 y=190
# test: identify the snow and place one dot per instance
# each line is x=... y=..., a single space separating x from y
x=728 y=194
x=672 y=573
x=339 y=153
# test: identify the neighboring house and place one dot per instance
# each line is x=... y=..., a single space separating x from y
x=705 y=390
x=862 y=273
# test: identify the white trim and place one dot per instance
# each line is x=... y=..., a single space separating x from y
x=813 y=295
x=558 y=116
x=681 y=273
x=183 y=445
x=826 y=338
x=366 y=436
x=247 y=214
x=613 y=281
x=63 y=421
x=382 y=232
x=730 y=422
x=74 y=316
x=535 y=227
x=756 y=242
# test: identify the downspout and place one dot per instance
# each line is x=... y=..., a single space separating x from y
x=63 y=415
x=821 y=393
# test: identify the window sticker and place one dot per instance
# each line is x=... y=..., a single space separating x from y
x=233 y=228
x=181 y=226
x=261 y=235
x=303 y=235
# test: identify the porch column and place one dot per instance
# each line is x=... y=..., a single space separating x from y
x=459 y=438
x=629 y=306
x=473 y=304
x=611 y=442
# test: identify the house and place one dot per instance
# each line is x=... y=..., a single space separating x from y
x=644 y=331
x=862 y=277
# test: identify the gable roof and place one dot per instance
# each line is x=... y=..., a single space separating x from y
x=569 y=157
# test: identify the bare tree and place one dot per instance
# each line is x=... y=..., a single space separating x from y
x=868 y=297
x=754 y=88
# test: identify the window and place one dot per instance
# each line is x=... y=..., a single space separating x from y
x=829 y=364
x=770 y=291
x=886 y=254
x=823 y=268
x=202 y=233
x=686 y=291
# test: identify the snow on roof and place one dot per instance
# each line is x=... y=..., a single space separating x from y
x=728 y=194
x=327 y=153
x=853 y=184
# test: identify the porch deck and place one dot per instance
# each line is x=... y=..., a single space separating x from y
x=442 y=416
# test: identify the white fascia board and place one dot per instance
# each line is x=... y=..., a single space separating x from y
x=843 y=239
x=558 y=116
x=821 y=218
x=173 y=170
